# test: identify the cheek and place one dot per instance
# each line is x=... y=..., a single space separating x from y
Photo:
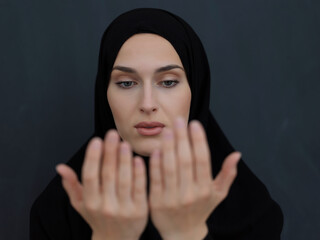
x=179 y=103
x=185 y=104
x=120 y=107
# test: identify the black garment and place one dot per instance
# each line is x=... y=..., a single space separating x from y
x=247 y=213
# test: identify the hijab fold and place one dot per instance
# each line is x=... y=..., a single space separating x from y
x=248 y=212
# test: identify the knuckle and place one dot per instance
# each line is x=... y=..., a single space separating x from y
x=171 y=205
x=156 y=180
x=124 y=185
x=126 y=215
x=107 y=176
x=170 y=171
x=187 y=201
x=109 y=151
x=91 y=207
x=108 y=211
x=110 y=148
x=89 y=178
x=185 y=162
x=198 y=136
x=202 y=159
x=202 y=153
x=139 y=190
x=205 y=194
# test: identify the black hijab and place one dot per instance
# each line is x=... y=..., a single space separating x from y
x=247 y=213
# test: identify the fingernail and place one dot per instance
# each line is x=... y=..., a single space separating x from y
x=195 y=126
x=95 y=143
x=168 y=134
x=124 y=148
x=112 y=136
x=179 y=123
x=58 y=167
x=239 y=157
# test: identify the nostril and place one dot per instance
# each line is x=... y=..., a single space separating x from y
x=148 y=109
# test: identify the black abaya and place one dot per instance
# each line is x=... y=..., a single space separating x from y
x=248 y=212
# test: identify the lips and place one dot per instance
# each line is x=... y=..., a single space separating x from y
x=149 y=125
x=149 y=128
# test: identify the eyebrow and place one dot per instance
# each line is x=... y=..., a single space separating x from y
x=158 y=70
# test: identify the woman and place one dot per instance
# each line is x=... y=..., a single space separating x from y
x=166 y=179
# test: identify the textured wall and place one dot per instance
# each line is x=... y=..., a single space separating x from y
x=265 y=62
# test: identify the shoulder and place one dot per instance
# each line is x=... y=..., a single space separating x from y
x=52 y=196
x=52 y=216
x=48 y=215
x=54 y=199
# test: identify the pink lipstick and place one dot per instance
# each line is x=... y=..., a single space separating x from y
x=149 y=128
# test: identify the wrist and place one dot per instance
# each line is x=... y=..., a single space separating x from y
x=197 y=233
x=100 y=237
x=97 y=237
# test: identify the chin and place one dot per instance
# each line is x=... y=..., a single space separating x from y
x=146 y=149
x=144 y=154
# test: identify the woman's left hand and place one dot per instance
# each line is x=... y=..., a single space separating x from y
x=182 y=191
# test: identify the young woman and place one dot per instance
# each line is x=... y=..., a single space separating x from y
x=157 y=166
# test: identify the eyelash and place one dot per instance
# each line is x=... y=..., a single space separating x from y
x=120 y=84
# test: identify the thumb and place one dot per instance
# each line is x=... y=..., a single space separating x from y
x=227 y=174
x=71 y=185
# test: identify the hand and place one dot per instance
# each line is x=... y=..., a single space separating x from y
x=112 y=197
x=182 y=191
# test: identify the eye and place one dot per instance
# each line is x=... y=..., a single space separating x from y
x=125 y=84
x=169 y=83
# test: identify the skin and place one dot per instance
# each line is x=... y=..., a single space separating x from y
x=112 y=196
x=152 y=95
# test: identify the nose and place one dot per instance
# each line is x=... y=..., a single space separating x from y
x=148 y=103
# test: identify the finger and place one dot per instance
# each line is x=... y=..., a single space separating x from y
x=227 y=174
x=168 y=162
x=125 y=173
x=71 y=185
x=139 y=189
x=201 y=153
x=91 y=170
x=155 y=177
x=109 y=165
x=185 y=163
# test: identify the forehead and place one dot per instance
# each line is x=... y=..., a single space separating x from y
x=147 y=48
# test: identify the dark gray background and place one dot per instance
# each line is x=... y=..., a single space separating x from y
x=264 y=57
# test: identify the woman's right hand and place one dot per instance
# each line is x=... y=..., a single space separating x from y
x=112 y=197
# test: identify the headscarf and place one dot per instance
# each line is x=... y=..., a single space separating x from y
x=248 y=210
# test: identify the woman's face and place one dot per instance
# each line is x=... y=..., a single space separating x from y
x=148 y=84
